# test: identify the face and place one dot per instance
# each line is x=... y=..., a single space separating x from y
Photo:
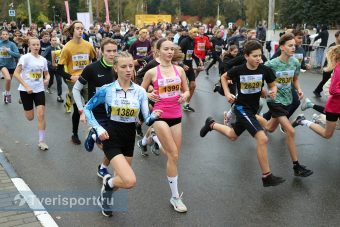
x=252 y=34
x=298 y=40
x=170 y=36
x=34 y=45
x=288 y=48
x=167 y=51
x=337 y=39
x=219 y=35
x=78 y=30
x=46 y=38
x=254 y=58
x=234 y=52
x=125 y=68
x=54 y=33
x=54 y=41
x=35 y=33
x=143 y=35
x=158 y=34
x=201 y=30
x=4 y=35
x=193 y=35
x=109 y=51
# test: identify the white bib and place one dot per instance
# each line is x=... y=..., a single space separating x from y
x=250 y=84
x=189 y=55
x=284 y=78
x=299 y=57
x=124 y=110
x=169 y=87
x=80 y=61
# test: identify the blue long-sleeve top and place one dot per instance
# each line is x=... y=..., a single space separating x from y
x=8 y=59
x=113 y=91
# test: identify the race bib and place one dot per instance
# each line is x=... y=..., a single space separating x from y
x=189 y=55
x=80 y=61
x=284 y=78
x=142 y=51
x=241 y=44
x=35 y=75
x=4 y=54
x=201 y=46
x=218 y=48
x=169 y=87
x=124 y=110
x=299 y=57
x=250 y=84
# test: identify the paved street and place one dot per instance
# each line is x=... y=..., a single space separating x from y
x=221 y=180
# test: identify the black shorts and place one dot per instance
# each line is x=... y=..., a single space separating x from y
x=11 y=71
x=246 y=120
x=171 y=121
x=197 y=61
x=277 y=109
x=332 y=116
x=28 y=99
x=190 y=74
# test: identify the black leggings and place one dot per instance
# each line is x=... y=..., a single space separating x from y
x=325 y=78
x=54 y=73
x=75 y=119
x=216 y=58
x=319 y=108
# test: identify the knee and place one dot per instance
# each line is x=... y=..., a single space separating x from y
x=263 y=140
x=30 y=117
x=192 y=85
x=173 y=156
x=40 y=115
x=328 y=135
x=130 y=182
x=290 y=131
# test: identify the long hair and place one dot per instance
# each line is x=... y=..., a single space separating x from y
x=333 y=57
x=69 y=30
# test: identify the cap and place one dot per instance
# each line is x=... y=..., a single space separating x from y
x=48 y=26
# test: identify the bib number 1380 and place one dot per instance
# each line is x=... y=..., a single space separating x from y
x=125 y=112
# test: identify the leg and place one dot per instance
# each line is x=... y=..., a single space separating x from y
x=295 y=104
x=59 y=84
x=125 y=177
x=50 y=83
x=325 y=78
x=8 y=78
x=261 y=151
x=326 y=132
x=290 y=136
x=192 y=87
x=226 y=131
x=75 y=120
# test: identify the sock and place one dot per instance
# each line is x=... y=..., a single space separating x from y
x=102 y=166
x=173 y=186
x=296 y=163
x=264 y=175
x=306 y=122
x=110 y=182
x=186 y=103
x=41 y=135
x=156 y=140
x=144 y=141
x=7 y=92
x=94 y=137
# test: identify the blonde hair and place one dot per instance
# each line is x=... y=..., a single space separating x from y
x=32 y=38
x=178 y=55
x=193 y=30
x=123 y=54
x=333 y=57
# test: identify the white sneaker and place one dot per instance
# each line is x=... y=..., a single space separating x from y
x=42 y=146
x=178 y=204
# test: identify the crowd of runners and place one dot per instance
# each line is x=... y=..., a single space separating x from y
x=119 y=78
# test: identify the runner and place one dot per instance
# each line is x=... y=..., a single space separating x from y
x=169 y=81
x=202 y=44
x=124 y=99
x=217 y=47
x=287 y=71
x=29 y=72
x=141 y=47
x=249 y=78
x=95 y=75
x=8 y=54
x=76 y=54
x=332 y=108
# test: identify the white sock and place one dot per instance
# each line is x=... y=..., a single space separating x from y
x=94 y=137
x=144 y=141
x=7 y=93
x=110 y=182
x=102 y=166
x=173 y=186
x=156 y=140
x=306 y=122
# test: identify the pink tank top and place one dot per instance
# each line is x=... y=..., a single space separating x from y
x=169 y=90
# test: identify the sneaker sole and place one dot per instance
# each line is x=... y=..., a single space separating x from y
x=43 y=148
x=143 y=153
x=309 y=173
x=176 y=209
x=101 y=198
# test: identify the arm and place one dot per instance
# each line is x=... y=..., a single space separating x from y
x=78 y=86
x=224 y=81
x=13 y=51
x=185 y=89
x=147 y=80
x=16 y=74
x=144 y=104
x=47 y=77
x=272 y=90
x=297 y=86
x=334 y=88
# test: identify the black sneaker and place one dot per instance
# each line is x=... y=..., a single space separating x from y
x=206 y=128
x=143 y=148
x=207 y=72
x=298 y=120
x=106 y=197
x=302 y=171
x=317 y=94
x=139 y=131
x=188 y=108
x=75 y=139
x=60 y=99
x=272 y=180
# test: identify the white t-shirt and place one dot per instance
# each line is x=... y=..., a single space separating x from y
x=32 y=72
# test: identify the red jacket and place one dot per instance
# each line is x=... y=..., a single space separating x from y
x=333 y=101
x=201 y=45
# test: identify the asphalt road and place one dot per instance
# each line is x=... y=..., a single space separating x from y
x=220 y=179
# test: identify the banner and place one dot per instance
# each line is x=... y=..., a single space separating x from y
x=85 y=18
x=67 y=12
x=107 y=12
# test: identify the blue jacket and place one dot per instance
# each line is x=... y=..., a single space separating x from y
x=8 y=61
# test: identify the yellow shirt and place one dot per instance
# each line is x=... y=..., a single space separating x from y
x=76 y=56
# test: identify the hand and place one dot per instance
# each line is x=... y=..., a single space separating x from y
x=300 y=94
x=264 y=93
x=153 y=96
x=186 y=68
x=46 y=82
x=182 y=98
x=272 y=94
x=28 y=89
x=157 y=113
x=231 y=98
x=83 y=118
x=230 y=82
x=104 y=136
x=74 y=78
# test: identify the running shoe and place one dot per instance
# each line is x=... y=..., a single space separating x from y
x=9 y=98
x=75 y=139
x=60 y=99
x=178 y=204
x=298 y=120
x=42 y=146
x=106 y=197
x=272 y=180
x=306 y=104
x=102 y=172
x=139 y=131
x=143 y=148
x=207 y=72
x=316 y=118
x=49 y=91
x=302 y=171
x=188 y=108
x=89 y=142
x=206 y=128
x=155 y=149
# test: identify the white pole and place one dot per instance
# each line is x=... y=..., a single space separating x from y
x=29 y=12
x=90 y=11
x=270 y=31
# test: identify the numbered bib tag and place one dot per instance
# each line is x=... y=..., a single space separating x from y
x=124 y=110
x=142 y=51
x=35 y=75
x=169 y=87
x=241 y=44
x=284 y=78
x=250 y=84
x=218 y=48
x=201 y=46
x=299 y=57
x=188 y=56
x=80 y=61
x=4 y=54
